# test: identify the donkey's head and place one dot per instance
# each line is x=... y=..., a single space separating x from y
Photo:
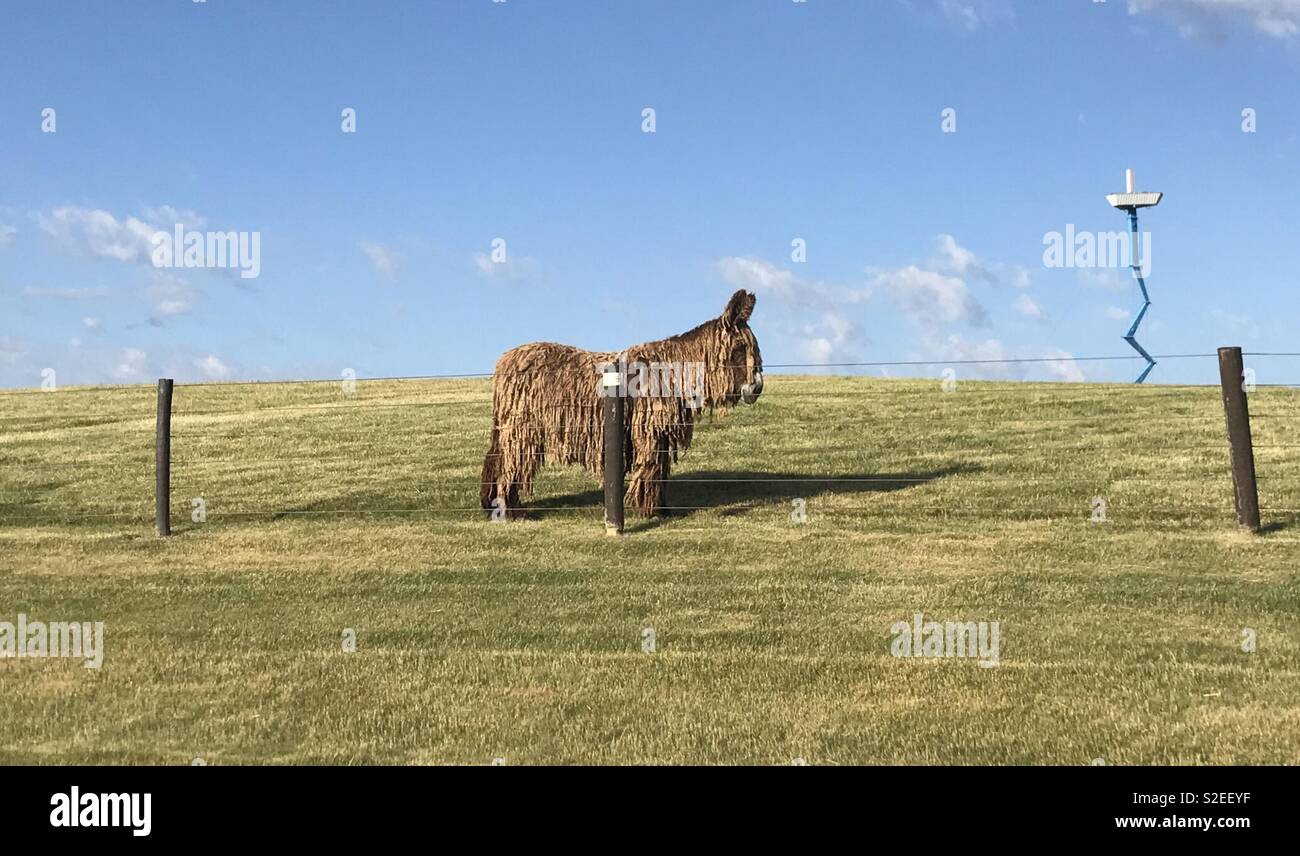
x=742 y=363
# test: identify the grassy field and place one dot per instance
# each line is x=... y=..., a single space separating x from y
x=1119 y=640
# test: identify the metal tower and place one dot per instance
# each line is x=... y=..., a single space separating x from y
x=1130 y=201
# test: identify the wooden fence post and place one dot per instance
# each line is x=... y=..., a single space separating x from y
x=1232 y=381
x=612 y=402
x=163 y=459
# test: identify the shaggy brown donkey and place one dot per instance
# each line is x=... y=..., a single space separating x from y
x=546 y=405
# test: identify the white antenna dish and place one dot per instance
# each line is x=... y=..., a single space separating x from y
x=1130 y=200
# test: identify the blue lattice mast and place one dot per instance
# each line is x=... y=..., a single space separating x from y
x=1130 y=201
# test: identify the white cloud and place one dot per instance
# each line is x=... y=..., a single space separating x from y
x=986 y=359
x=1064 y=367
x=7 y=235
x=832 y=335
x=931 y=298
x=132 y=365
x=1235 y=325
x=99 y=233
x=1213 y=18
x=972 y=15
x=956 y=259
x=90 y=361
x=1111 y=279
x=991 y=359
x=761 y=277
x=817 y=349
x=1118 y=314
x=822 y=325
x=11 y=351
x=510 y=270
x=832 y=338
x=169 y=217
x=171 y=307
x=90 y=323
x=172 y=295
x=767 y=280
x=1206 y=19
x=1028 y=307
x=67 y=293
x=384 y=259
x=213 y=368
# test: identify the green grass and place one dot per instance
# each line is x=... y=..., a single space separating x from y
x=479 y=640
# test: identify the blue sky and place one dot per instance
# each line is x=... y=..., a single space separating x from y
x=523 y=121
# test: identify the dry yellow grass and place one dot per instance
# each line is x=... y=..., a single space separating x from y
x=522 y=641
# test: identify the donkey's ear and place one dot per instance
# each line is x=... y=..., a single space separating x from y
x=739 y=308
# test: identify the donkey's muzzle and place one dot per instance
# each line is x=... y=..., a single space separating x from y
x=750 y=392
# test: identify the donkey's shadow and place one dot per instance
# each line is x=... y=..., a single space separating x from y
x=736 y=492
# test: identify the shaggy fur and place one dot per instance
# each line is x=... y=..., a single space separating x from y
x=546 y=407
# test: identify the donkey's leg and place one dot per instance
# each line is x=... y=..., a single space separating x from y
x=649 y=470
x=664 y=466
x=635 y=495
x=514 y=508
x=512 y=460
x=522 y=464
x=488 y=486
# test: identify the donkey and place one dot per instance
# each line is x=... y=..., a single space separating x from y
x=546 y=405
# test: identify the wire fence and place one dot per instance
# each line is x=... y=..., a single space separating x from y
x=417 y=451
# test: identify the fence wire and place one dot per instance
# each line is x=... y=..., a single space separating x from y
x=200 y=434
